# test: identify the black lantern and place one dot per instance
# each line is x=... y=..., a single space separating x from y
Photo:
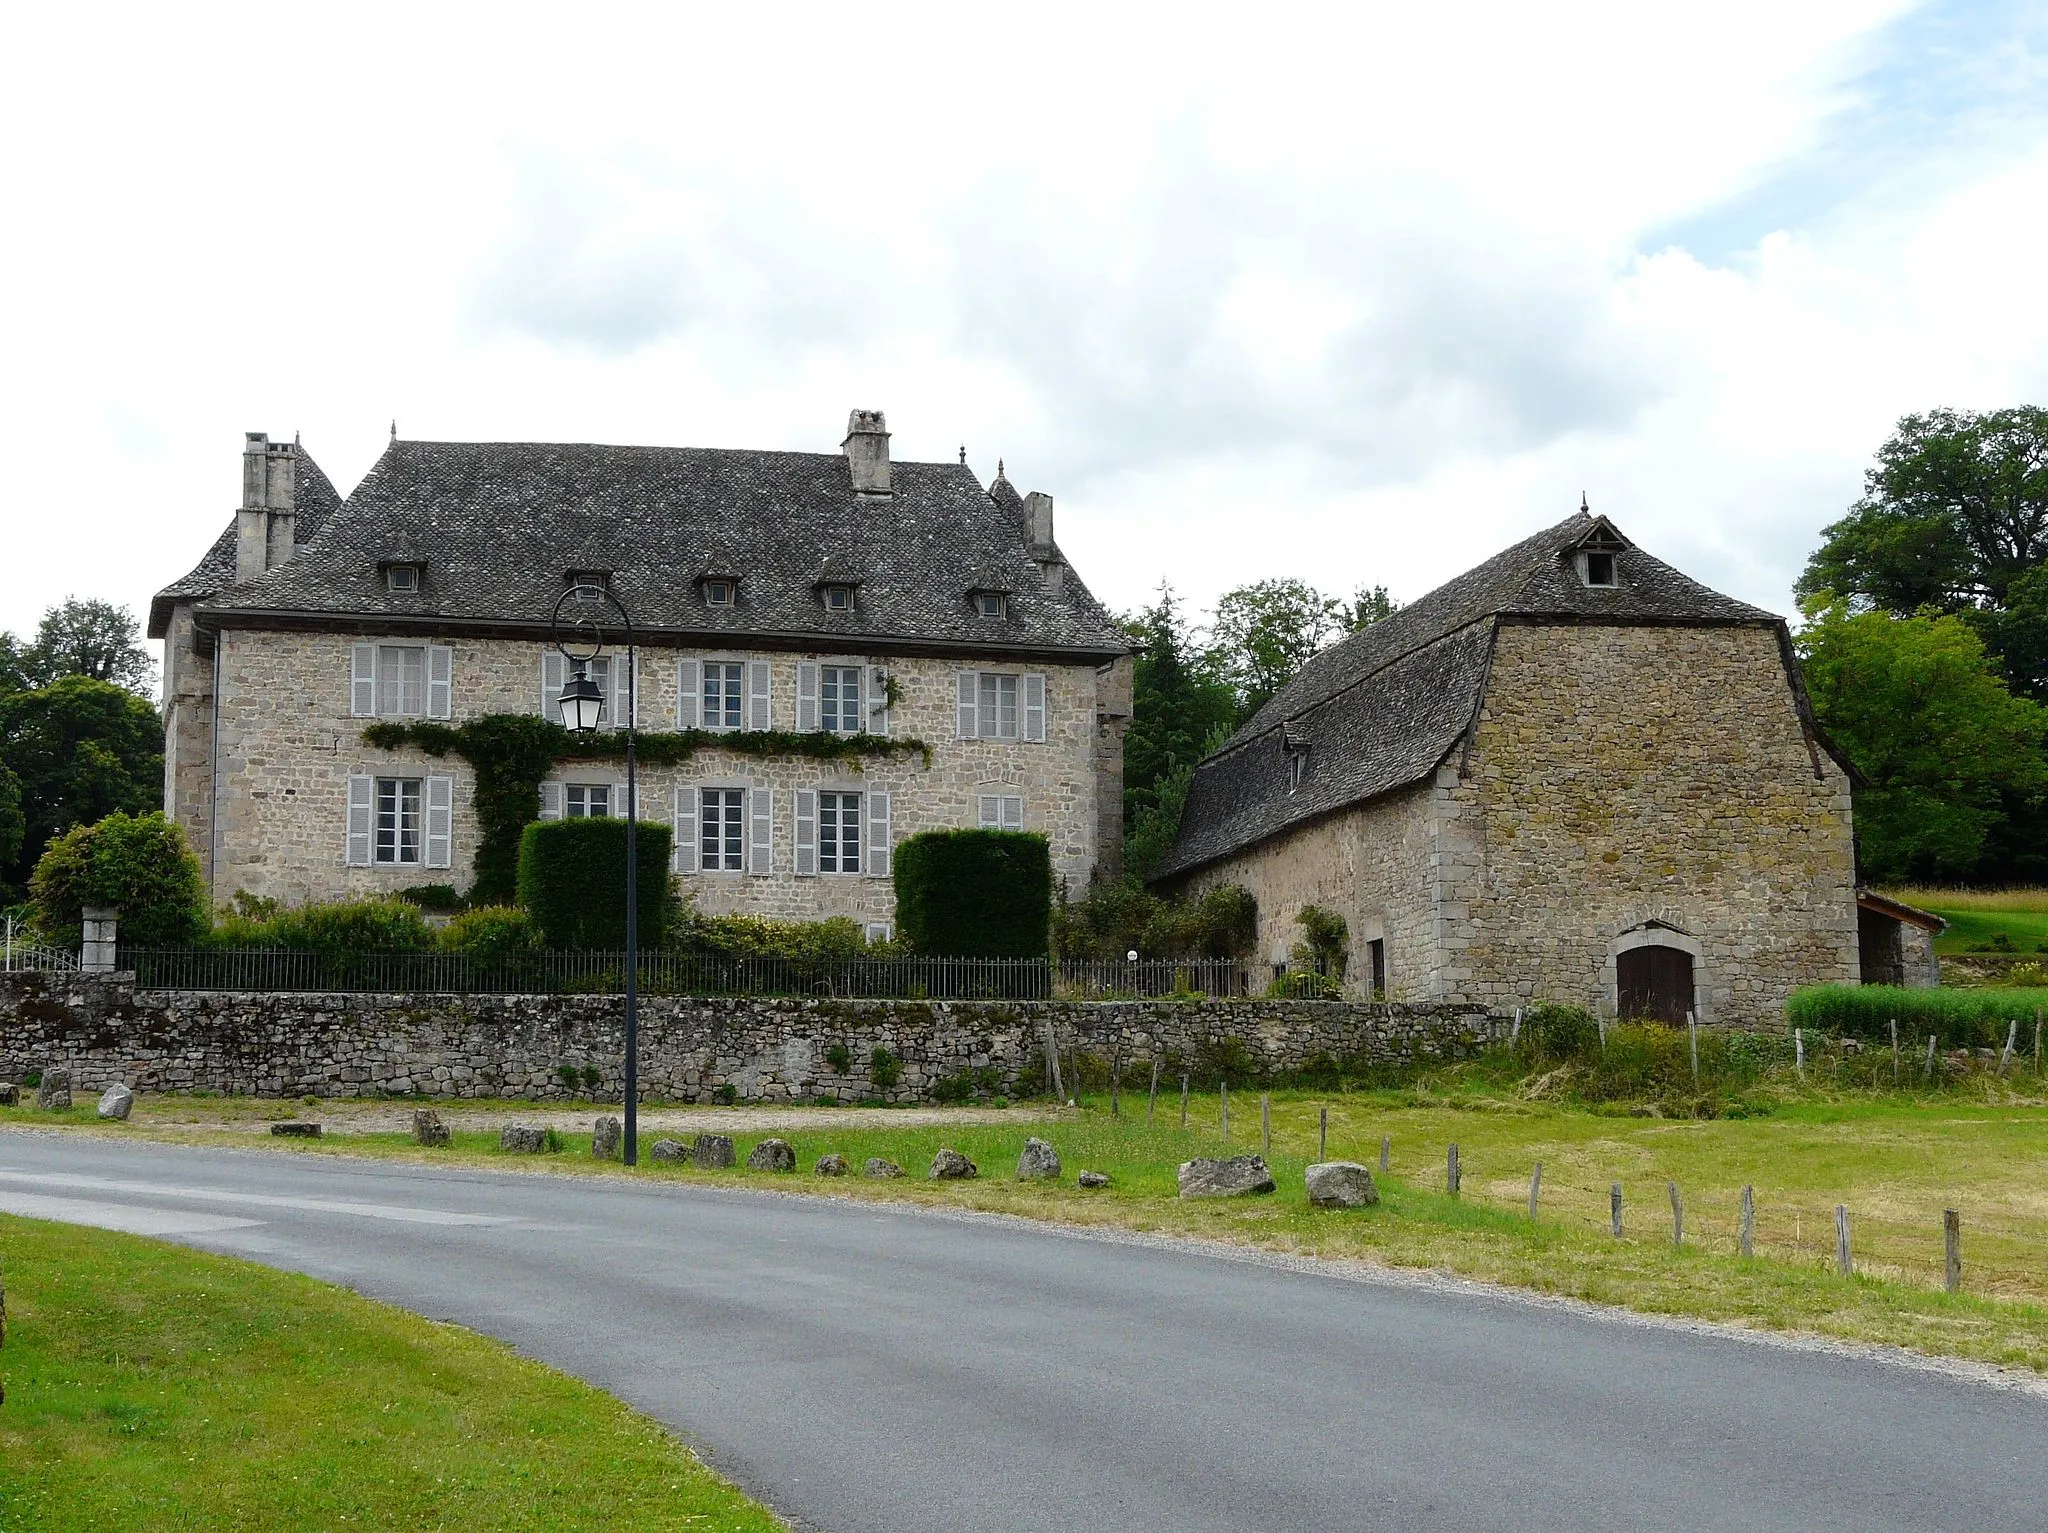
x=581 y=702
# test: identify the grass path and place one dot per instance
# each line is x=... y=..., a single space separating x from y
x=1897 y=1164
x=150 y=1386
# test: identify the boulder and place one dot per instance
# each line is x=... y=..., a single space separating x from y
x=428 y=1129
x=772 y=1155
x=879 y=1169
x=712 y=1152
x=831 y=1165
x=1092 y=1179
x=296 y=1130
x=116 y=1102
x=669 y=1149
x=1040 y=1162
x=522 y=1139
x=54 y=1094
x=951 y=1166
x=10 y=1094
x=604 y=1138
x=1340 y=1184
x=1234 y=1176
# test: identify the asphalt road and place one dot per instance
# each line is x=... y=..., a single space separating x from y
x=862 y=1368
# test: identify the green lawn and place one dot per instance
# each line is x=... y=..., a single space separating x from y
x=1897 y=1162
x=1978 y=918
x=154 y=1387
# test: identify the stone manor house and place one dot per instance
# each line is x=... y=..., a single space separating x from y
x=770 y=591
x=1570 y=774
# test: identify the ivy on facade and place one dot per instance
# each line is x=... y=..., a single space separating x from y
x=511 y=753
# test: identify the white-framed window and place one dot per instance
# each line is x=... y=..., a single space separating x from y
x=401 y=577
x=608 y=671
x=720 y=593
x=1596 y=567
x=400 y=822
x=839 y=822
x=843 y=830
x=401 y=681
x=878 y=931
x=840 y=696
x=991 y=604
x=725 y=697
x=1000 y=811
x=722 y=830
x=837 y=598
x=586 y=800
x=1001 y=705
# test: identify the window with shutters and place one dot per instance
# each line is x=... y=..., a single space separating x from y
x=399 y=821
x=998 y=706
x=725 y=700
x=401 y=681
x=586 y=800
x=1001 y=811
x=839 y=699
x=1002 y=705
x=721 y=829
x=839 y=820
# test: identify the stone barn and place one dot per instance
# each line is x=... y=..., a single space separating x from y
x=1571 y=774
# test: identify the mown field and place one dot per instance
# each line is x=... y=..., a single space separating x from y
x=1985 y=920
x=150 y=1386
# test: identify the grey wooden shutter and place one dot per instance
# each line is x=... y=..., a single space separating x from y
x=760 y=831
x=689 y=672
x=1034 y=705
x=989 y=811
x=806 y=696
x=362 y=691
x=440 y=821
x=553 y=677
x=878 y=835
x=684 y=851
x=1010 y=813
x=617 y=707
x=876 y=720
x=757 y=694
x=362 y=809
x=550 y=801
x=440 y=682
x=806 y=832
x=970 y=705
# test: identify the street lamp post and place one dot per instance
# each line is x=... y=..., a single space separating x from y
x=582 y=709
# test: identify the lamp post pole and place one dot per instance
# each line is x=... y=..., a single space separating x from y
x=582 y=706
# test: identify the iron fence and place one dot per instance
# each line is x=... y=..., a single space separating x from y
x=603 y=973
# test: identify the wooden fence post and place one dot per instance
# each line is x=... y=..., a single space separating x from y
x=1323 y=1135
x=1692 y=1033
x=1515 y=1030
x=1535 y=1189
x=1843 y=1264
x=1927 y=1069
x=1614 y=1208
x=1799 y=1051
x=1152 y=1094
x=2037 y=1040
x=1116 y=1074
x=2012 y=1036
x=1052 y=1063
x=1265 y=1124
x=1952 y=1250
x=1183 y=1103
x=1895 y=1051
x=1677 y=1216
x=1224 y=1087
x=1451 y=1170
x=1074 y=1062
x=1745 y=1238
x=1386 y=1149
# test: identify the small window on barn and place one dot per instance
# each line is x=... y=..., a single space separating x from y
x=1596 y=567
x=402 y=577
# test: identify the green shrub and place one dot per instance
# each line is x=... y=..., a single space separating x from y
x=1555 y=1035
x=572 y=881
x=491 y=933
x=1960 y=1019
x=967 y=1085
x=592 y=1077
x=1304 y=985
x=884 y=1069
x=138 y=864
x=1116 y=919
x=1325 y=940
x=975 y=893
x=726 y=1094
x=434 y=897
x=570 y=1077
x=838 y=1058
x=759 y=937
x=333 y=927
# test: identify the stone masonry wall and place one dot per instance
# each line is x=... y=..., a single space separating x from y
x=288 y=744
x=105 y=1030
x=1627 y=775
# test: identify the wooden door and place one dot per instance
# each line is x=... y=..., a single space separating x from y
x=1655 y=983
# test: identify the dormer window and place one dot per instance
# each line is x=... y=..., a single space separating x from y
x=836 y=597
x=991 y=604
x=590 y=585
x=402 y=577
x=1594 y=554
x=1294 y=747
x=1596 y=567
x=720 y=592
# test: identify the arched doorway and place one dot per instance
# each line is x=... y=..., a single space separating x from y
x=1654 y=982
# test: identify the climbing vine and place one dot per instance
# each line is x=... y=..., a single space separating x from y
x=511 y=753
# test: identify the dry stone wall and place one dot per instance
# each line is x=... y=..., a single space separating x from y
x=104 y=1030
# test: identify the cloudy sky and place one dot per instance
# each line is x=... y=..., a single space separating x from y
x=1357 y=293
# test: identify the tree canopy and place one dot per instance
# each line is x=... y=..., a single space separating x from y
x=88 y=638
x=77 y=750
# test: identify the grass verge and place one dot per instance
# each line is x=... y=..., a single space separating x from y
x=152 y=1386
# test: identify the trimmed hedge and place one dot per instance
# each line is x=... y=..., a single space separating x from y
x=1960 y=1019
x=975 y=894
x=572 y=881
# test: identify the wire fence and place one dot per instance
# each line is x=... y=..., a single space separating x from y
x=693 y=974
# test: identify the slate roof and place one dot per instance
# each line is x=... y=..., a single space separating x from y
x=499 y=524
x=1383 y=709
x=316 y=501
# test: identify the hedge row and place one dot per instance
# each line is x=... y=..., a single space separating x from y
x=1960 y=1019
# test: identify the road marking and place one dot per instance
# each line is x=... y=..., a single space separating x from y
x=125 y=1217
x=393 y=1211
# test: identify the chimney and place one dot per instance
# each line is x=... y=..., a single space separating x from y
x=265 y=526
x=1038 y=520
x=867 y=452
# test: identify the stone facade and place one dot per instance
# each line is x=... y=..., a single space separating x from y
x=1625 y=784
x=104 y=1030
x=273 y=820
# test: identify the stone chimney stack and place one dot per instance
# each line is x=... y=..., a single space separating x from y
x=1038 y=520
x=867 y=452
x=266 y=525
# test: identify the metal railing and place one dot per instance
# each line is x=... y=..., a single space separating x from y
x=16 y=954
x=603 y=973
